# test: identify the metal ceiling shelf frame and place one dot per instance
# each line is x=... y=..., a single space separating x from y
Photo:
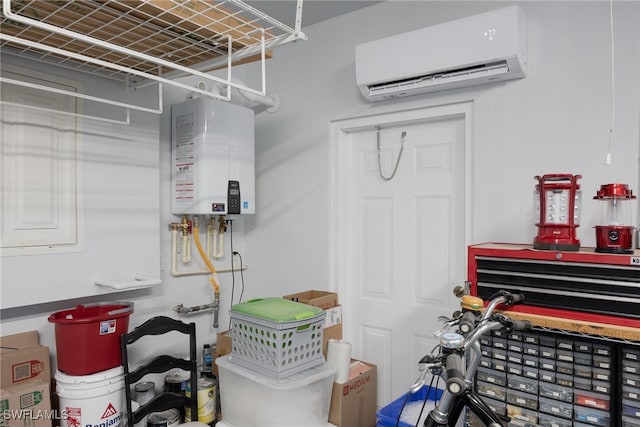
x=146 y=42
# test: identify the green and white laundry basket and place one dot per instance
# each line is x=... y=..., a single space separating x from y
x=276 y=337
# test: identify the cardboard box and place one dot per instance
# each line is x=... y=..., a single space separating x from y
x=199 y=16
x=322 y=299
x=23 y=359
x=223 y=347
x=332 y=332
x=334 y=316
x=353 y=404
x=26 y=405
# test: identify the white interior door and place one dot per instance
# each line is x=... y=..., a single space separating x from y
x=400 y=244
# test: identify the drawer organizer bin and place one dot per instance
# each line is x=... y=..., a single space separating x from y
x=276 y=337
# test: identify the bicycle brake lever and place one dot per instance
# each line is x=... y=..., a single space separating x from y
x=511 y=324
x=420 y=382
x=440 y=332
x=510 y=298
x=429 y=363
x=447 y=324
x=428 y=359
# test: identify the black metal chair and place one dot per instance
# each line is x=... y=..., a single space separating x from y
x=166 y=400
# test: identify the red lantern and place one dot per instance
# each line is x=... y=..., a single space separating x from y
x=617 y=235
x=557 y=201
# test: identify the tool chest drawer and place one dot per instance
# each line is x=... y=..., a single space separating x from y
x=582 y=285
x=606 y=394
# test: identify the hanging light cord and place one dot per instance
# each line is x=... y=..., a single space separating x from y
x=395 y=168
x=613 y=111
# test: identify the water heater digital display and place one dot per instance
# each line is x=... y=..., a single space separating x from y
x=213 y=158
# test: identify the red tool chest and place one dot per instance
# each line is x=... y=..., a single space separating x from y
x=582 y=285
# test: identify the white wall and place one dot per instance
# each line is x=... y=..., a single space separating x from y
x=160 y=300
x=554 y=120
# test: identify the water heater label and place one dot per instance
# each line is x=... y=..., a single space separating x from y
x=184 y=147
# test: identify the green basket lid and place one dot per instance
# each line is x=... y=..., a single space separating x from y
x=277 y=309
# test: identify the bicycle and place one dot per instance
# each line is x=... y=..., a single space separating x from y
x=458 y=355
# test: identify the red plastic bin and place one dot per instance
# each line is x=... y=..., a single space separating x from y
x=88 y=336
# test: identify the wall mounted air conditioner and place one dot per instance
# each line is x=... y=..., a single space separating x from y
x=479 y=49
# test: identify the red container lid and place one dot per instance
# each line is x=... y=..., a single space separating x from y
x=614 y=191
x=90 y=313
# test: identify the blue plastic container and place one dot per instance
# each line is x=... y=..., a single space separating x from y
x=388 y=416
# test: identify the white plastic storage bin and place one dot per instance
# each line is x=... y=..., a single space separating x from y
x=249 y=398
x=223 y=424
x=276 y=337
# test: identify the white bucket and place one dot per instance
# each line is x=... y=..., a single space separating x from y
x=95 y=400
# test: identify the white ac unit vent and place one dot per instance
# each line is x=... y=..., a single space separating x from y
x=480 y=49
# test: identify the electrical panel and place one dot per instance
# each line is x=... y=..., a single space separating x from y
x=213 y=158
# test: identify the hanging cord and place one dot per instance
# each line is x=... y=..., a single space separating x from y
x=233 y=274
x=426 y=398
x=613 y=111
x=241 y=275
x=395 y=168
x=233 y=270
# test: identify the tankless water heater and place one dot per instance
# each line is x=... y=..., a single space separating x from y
x=213 y=158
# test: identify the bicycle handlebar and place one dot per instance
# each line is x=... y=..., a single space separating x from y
x=459 y=370
x=467 y=322
x=517 y=298
x=496 y=321
x=455 y=373
x=502 y=298
x=512 y=324
x=521 y=325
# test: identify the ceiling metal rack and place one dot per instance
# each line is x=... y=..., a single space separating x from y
x=143 y=42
